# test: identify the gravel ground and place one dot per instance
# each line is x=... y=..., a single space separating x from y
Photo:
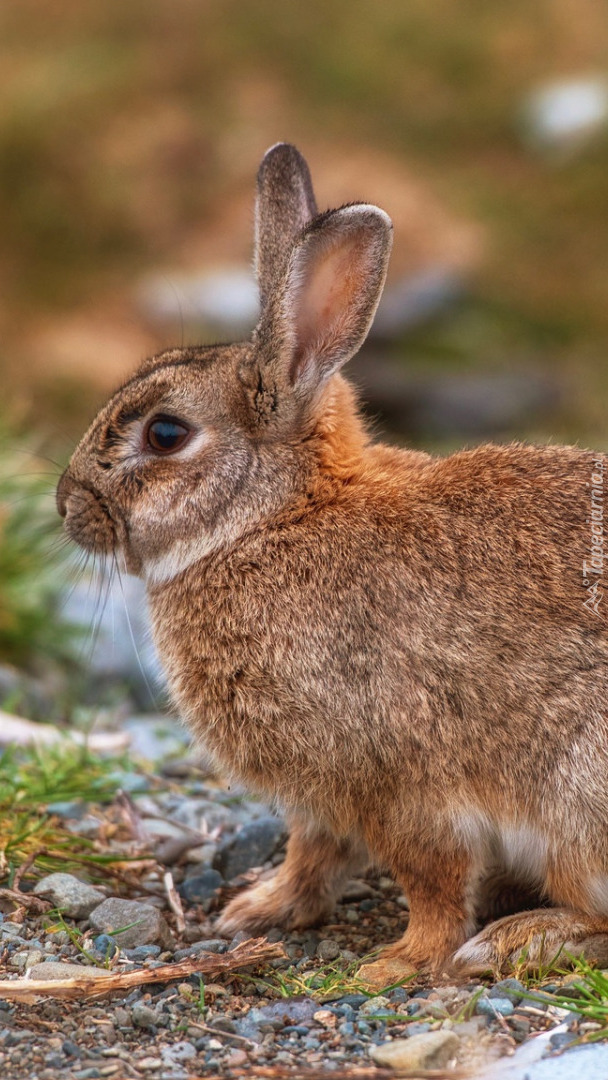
x=301 y=1015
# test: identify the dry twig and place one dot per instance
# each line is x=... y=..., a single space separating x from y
x=78 y=987
x=174 y=901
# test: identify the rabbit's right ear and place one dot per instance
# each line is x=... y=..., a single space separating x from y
x=325 y=305
x=285 y=204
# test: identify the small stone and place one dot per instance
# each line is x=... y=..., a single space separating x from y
x=105 y=945
x=213 y=945
x=356 y=890
x=496 y=1006
x=512 y=989
x=74 y=898
x=34 y=956
x=386 y=884
x=562 y=1039
x=433 y=1050
x=326 y=1018
x=375 y=1005
x=131 y=923
x=354 y=1000
x=178 y=1053
x=252 y=846
x=141 y=953
x=236 y=1059
x=143 y=1016
x=202 y=886
x=328 y=949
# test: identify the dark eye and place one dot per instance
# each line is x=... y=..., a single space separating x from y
x=165 y=435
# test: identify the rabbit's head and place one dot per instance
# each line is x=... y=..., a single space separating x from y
x=205 y=443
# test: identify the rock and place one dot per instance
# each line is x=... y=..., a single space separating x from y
x=375 y=1005
x=512 y=989
x=356 y=890
x=354 y=1000
x=202 y=886
x=143 y=1016
x=253 y=845
x=105 y=945
x=280 y=1014
x=138 y=923
x=198 y=947
x=142 y=952
x=495 y=1006
x=432 y=1050
x=177 y=1053
x=328 y=949
x=74 y=898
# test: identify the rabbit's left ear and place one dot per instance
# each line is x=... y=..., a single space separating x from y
x=285 y=204
x=327 y=301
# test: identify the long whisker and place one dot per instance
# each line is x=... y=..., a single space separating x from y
x=151 y=693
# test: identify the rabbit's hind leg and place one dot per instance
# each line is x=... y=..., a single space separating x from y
x=305 y=888
x=543 y=939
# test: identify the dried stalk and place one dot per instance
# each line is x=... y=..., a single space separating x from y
x=77 y=988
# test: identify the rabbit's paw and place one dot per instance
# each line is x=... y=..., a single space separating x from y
x=263 y=906
x=533 y=939
x=385 y=972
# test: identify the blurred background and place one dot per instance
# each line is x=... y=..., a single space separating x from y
x=130 y=135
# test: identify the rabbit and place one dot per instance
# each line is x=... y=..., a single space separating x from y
x=407 y=653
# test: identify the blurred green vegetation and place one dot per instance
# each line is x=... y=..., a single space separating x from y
x=31 y=560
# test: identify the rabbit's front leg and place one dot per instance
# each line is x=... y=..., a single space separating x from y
x=441 y=888
x=305 y=888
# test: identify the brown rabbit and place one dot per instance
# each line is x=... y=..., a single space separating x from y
x=408 y=653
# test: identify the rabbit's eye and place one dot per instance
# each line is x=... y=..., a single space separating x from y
x=164 y=435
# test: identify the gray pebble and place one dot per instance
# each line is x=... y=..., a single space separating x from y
x=253 y=845
x=202 y=886
x=214 y=945
x=328 y=949
x=138 y=923
x=143 y=1016
x=508 y=988
x=494 y=1006
x=105 y=945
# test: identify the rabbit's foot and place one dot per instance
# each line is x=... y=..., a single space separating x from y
x=266 y=905
x=385 y=972
x=546 y=938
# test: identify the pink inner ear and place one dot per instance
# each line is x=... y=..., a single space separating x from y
x=327 y=306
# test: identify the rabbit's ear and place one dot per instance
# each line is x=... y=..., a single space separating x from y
x=325 y=307
x=285 y=204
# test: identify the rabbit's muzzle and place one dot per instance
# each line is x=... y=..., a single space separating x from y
x=88 y=520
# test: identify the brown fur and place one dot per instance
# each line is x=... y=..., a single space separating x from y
x=391 y=646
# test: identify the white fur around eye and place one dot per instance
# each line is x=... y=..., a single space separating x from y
x=135 y=450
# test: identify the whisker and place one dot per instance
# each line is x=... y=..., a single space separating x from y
x=151 y=693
